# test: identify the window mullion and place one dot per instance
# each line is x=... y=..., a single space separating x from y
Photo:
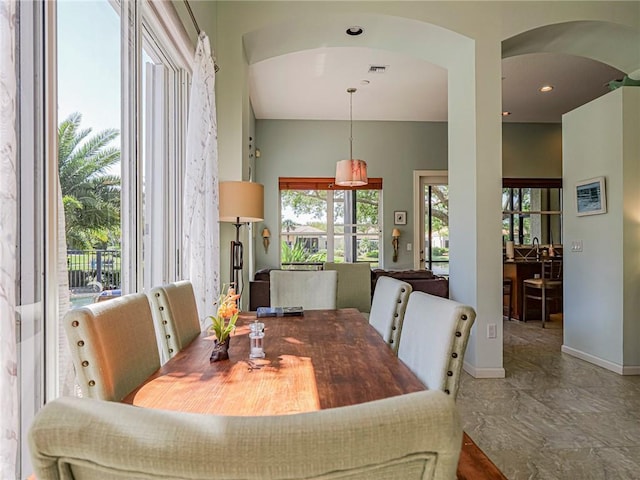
x=132 y=225
x=330 y=227
x=156 y=165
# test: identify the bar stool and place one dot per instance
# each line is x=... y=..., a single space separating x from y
x=546 y=288
x=507 y=290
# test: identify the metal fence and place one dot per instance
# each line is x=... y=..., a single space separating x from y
x=93 y=270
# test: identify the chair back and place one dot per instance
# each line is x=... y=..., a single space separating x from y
x=417 y=436
x=388 y=309
x=354 y=285
x=311 y=290
x=176 y=316
x=434 y=339
x=113 y=346
x=552 y=269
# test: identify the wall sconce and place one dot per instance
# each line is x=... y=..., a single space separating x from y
x=395 y=235
x=266 y=235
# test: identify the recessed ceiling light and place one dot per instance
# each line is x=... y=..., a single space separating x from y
x=506 y=114
x=364 y=82
x=546 y=88
x=355 y=31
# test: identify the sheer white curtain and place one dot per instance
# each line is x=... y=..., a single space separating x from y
x=8 y=234
x=201 y=241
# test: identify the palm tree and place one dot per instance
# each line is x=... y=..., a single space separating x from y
x=90 y=193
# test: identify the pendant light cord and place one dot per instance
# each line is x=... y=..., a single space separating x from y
x=351 y=92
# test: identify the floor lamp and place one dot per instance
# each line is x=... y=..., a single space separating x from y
x=240 y=202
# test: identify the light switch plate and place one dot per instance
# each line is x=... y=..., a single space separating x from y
x=492 y=330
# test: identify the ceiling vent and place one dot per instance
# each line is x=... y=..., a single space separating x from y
x=378 y=68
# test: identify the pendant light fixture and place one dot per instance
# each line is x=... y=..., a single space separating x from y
x=351 y=172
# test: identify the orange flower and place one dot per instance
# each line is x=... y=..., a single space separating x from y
x=227 y=310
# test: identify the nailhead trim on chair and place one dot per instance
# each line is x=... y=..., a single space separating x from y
x=452 y=380
x=396 y=315
x=80 y=343
x=164 y=322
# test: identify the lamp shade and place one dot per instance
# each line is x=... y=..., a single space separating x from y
x=351 y=173
x=241 y=202
x=395 y=233
x=266 y=233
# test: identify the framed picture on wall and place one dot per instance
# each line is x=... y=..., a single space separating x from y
x=400 y=217
x=591 y=197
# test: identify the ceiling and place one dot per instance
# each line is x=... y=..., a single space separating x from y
x=312 y=85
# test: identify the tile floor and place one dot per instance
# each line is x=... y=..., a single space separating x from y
x=553 y=416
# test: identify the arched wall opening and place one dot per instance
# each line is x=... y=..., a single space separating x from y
x=471 y=238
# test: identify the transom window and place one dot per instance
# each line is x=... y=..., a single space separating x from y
x=532 y=208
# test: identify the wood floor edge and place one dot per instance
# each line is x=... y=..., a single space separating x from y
x=474 y=464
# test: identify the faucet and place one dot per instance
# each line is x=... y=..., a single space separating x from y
x=536 y=244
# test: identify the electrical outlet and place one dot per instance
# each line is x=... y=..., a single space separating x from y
x=492 y=330
x=408 y=247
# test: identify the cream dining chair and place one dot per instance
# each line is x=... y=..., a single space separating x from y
x=417 y=436
x=311 y=290
x=434 y=339
x=354 y=285
x=176 y=315
x=113 y=346
x=388 y=309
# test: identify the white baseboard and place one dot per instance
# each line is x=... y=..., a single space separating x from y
x=483 y=372
x=614 y=367
x=631 y=370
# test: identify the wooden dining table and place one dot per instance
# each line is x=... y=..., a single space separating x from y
x=321 y=359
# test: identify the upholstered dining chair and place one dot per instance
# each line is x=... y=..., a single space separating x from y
x=354 y=285
x=417 y=436
x=176 y=315
x=434 y=339
x=388 y=308
x=113 y=346
x=311 y=290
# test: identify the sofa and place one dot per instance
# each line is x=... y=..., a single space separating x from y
x=421 y=281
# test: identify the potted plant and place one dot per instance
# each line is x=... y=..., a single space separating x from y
x=223 y=323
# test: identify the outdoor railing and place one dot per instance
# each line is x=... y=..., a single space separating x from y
x=93 y=270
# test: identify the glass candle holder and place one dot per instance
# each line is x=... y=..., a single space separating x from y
x=256 y=340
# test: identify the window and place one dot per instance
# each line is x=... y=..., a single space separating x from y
x=89 y=145
x=116 y=241
x=321 y=222
x=532 y=208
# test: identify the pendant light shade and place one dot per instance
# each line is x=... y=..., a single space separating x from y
x=352 y=172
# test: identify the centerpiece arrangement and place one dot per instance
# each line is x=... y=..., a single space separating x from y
x=223 y=323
